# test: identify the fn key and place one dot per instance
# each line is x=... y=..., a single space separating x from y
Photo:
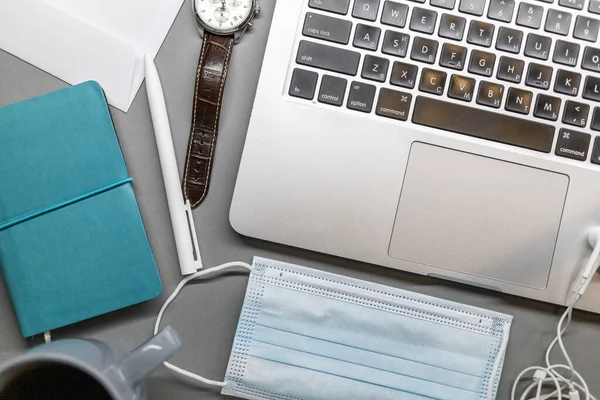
x=303 y=84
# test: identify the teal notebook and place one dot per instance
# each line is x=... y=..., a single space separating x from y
x=72 y=241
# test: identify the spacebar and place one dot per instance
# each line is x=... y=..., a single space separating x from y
x=483 y=124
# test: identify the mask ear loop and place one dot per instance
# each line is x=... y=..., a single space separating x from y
x=185 y=281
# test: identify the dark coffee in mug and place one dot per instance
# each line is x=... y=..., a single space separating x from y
x=51 y=381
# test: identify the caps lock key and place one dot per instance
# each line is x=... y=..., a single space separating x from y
x=327 y=28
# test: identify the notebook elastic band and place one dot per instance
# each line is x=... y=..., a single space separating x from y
x=36 y=214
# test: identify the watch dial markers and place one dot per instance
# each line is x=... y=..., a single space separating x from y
x=224 y=15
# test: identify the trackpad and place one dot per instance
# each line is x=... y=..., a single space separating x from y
x=477 y=215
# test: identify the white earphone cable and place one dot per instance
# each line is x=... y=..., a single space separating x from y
x=570 y=386
x=180 y=286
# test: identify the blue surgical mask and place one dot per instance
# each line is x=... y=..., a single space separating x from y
x=305 y=335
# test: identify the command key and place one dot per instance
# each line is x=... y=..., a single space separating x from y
x=573 y=144
x=393 y=104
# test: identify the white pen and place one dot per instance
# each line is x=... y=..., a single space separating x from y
x=182 y=220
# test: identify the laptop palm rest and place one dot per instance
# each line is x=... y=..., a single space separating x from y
x=479 y=216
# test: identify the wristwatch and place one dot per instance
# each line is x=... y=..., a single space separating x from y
x=221 y=23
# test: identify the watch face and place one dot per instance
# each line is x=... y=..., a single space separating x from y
x=224 y=16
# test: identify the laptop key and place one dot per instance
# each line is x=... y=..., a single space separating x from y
x=432 y=81
x=591 y=89
x=538 y=46
x=473 y=7
x=423 y=20
x=594 y=6
x=566 y=53
x=482 y=63
x=366 y=37
x=333 y=90
x=586 y=28
x=576 y=4
x=558 y=21
x=328 y=57
x=453 y=56
x=573 y=144
x=567 y=82
x=547 y=107
x=539 y=76
x=575 y=113
x=327 y=28
x=394 y=14
x=480 y=33
x=518 y=100
x=490 y=94
x=530 y=15
x=303 y=84
x=595 y=157
x=375 y=68
x=452 y=27
x=510 y=69
x=366 y=9
x=501 y=10
x=334 y=6
x=595 y=125
x=395 y=43
x=424 y=50
x=447 y=4
x=361 y=97
x=509 y=40
x=393 y=104
x=591 y=59
x=461 y=88
x=499 y=127
x=404 y=75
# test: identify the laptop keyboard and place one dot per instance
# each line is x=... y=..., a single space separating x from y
x=508 y=71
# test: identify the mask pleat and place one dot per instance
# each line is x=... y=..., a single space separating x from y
x=298 y=383
x=309 y=335
x=377 y=330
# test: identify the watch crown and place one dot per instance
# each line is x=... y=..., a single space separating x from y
x=257 y=9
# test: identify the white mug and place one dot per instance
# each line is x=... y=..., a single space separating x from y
x=85 y=369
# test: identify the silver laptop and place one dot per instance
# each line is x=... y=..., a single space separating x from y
x=458 y=139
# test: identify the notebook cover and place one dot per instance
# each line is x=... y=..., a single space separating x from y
x=85 y=259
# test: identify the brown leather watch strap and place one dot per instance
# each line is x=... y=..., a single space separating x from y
x=208 y=96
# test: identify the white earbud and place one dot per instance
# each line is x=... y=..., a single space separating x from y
x=591 y=267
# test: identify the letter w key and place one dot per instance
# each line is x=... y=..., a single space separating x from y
x=394 y=14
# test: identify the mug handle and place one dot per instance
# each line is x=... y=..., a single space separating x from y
x=142 y=361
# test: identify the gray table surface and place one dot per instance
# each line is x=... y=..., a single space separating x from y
x=206 y=313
